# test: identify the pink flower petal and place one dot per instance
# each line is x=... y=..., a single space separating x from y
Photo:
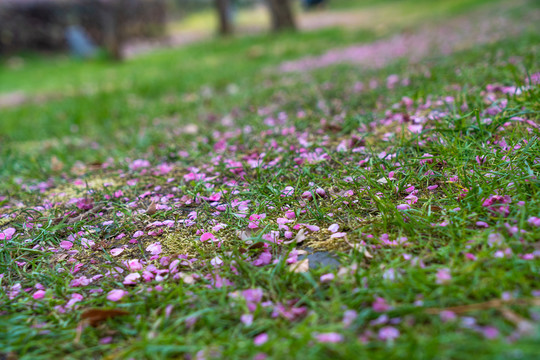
x=207 y=236
x=117 y=251
x=288 y=191
x=66 y=245
x=247 y=319
x=403 y=207
x=330 y=337
x=327 y=277
x=443 y=276
x=388 y=333
x=333 y=228
x=290 y=214
x=134 y=265
x=117 y=294
x=40 y=294
x=154 y=249
x=260 y=339
x=131 y=279
x=106 y=340
x=312 y=228
x=348 y=317
x=253 y=295
x=7 y=234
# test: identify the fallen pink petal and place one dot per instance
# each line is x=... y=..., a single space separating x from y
x=39 y=294
x=327 y=278
x=117 y=251
x=388 y=333
x=260 y=339
x=329 y=337
x=116 y=295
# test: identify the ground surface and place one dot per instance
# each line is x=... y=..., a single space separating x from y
x=325 y=194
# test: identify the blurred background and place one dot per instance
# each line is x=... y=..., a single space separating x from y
x=126 y=27
x=85 y=80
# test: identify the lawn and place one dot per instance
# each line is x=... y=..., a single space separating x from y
x=202 y=203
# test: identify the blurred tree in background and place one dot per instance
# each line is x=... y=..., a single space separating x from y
x=225 y=16
x=281 y=14
x=38 y=25
x=44 y=25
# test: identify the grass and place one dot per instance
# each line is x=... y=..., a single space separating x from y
x=407 y=6
x=445 y=272
x=149 y=72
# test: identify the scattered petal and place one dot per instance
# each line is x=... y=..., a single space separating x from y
x=116 y=295
x=330 y=337
x=260 y=339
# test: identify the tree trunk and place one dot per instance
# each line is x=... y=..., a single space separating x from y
x=223 y=8
x=112 y=21
x=282 y=15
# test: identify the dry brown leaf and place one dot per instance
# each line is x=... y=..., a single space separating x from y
x=491 y=304
x=78 y=333
x=257 y=245
x=56 y=164
x=343 y=271
x=58 y=220
x=300 y=237
x=59 y=257
x=333 y=127
x=190 y=129
x=96 y=316
x=187 y=278
x=11 y=356
x=151 y=209
x=243 y=235
x=300 y=266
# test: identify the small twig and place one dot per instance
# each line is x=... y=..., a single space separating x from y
x=491 y=304
x=80 y=327
x=524 y=326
